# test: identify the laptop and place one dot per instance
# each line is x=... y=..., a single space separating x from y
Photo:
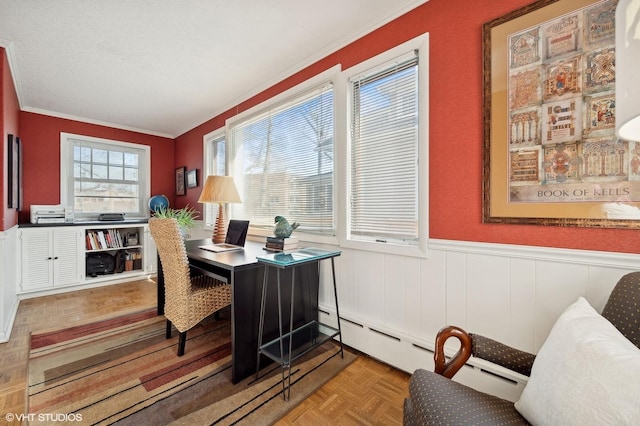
x=236 y=237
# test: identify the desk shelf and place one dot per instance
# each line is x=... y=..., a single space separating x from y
x=302 y=340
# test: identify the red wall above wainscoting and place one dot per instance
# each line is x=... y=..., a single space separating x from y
x=9 y=125
x=456 y=125
x=456 y=140
x=41 y=141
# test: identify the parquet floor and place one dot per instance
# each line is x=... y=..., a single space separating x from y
x=367 y=392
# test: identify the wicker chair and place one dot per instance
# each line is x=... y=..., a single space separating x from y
x=434 y=399
x=189 y=297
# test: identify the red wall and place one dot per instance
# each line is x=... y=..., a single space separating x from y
x=9 y=112
x=41 y=144
x=456 y=145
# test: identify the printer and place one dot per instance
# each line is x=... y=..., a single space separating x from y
x=51 y=214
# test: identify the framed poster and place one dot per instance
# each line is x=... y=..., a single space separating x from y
x=14 y=171
x=551 y=156
x=20 y=174
x=180 y=185
x=192 y=178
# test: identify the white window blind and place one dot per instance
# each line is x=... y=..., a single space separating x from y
x=283 y=162
x=105 y=177
x=383 y=165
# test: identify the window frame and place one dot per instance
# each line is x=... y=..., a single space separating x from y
x=210 y=155
x=332 y=75
x=66 y=172
x=343 y=156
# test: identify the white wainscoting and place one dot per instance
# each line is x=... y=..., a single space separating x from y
x=393 y=306
x=8 y=278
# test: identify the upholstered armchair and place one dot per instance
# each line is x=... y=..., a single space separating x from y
x=189 y=297
x=434 y=399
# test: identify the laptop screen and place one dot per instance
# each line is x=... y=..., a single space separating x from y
x=237 y=232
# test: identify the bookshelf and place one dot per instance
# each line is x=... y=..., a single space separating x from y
x=121 y=244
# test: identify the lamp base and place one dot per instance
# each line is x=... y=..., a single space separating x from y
x=219 y=231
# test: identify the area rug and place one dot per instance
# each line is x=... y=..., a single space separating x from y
x=123 y=371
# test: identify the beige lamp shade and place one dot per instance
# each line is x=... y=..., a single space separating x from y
x=628 y=69
x=221 y=190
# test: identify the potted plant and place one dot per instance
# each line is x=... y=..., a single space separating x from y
x=185 y=216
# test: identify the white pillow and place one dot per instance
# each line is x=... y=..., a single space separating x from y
x=586 y=373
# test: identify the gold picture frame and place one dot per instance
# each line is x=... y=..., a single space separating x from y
x=181 y=189
x=550 y=152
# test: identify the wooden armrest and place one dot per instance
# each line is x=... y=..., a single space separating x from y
x=450 y=368
x=480 y=347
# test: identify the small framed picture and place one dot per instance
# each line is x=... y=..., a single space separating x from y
x=180 y=186
x=192 y=178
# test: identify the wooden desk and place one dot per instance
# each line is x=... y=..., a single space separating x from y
x=242 y=270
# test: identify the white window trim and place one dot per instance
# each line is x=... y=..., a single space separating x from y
x=420 y=43
x=66 y=167
x=207 y=170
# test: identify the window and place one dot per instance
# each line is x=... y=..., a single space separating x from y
x=281 y=157
x=215 y=164
x=104 y=176
x=387 y=151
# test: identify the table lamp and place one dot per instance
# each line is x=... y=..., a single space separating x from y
x=221 y=190
x=627 y=66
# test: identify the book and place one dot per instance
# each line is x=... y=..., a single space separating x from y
x=282 y=246
x=278 y=240
x=94 y=241
x=102 y=240
x=276 y=248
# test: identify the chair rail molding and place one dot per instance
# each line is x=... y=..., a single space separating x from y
x=586 y=257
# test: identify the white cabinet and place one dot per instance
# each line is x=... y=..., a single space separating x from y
x=51 y=257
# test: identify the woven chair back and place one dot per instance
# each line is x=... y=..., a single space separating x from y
x=173 y=256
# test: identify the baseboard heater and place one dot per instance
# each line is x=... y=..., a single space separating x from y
x=382 y=333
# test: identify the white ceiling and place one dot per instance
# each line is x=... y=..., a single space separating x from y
x=165 y=66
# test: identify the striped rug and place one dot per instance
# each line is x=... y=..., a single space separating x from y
x=123 y=371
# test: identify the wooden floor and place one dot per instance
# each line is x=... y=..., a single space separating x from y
x=367 y=392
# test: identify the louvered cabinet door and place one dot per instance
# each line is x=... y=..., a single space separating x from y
x=67 y=255
x=37 y=259
x=51 y=257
